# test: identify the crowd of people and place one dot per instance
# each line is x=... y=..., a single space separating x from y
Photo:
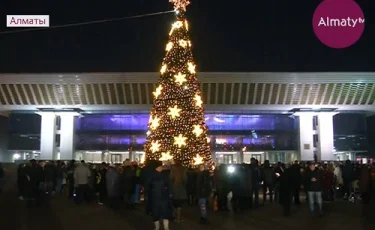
x=167 y=186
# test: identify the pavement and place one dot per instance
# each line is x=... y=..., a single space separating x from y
x=62 y=214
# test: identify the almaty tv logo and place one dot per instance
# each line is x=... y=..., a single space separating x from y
x=338 y=23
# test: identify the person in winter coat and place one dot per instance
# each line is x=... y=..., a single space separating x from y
x=314 y=183
x=101 y=183
x=190 y=186
x=204 y=190
x=348 y=176
x=328 y=181
x=112 y=180
x=127 y=183
x=365 y=181
x=255 y=180
x=159 y=188
x=296 y=179
x=2 y=178
x=268 y=177
x=178 y=182
x=285 y=190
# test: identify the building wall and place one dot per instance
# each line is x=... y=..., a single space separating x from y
x=371 y=134
x=114 y=132
x=4 y=139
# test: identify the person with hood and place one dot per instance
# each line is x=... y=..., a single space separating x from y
x=159 y=189
x=112 y=180
x=82 y=175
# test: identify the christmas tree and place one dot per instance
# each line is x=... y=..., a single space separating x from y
x=177 y=128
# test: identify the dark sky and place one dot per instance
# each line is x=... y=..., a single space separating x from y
x=236 y=35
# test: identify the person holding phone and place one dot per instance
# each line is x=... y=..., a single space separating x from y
x=314 y=183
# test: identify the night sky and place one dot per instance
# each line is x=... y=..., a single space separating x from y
x=234 y=36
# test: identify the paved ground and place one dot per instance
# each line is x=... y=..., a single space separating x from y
x=62 y=214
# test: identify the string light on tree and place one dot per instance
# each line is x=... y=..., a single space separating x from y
x=166 y=156
x=198 y=160
x=197 y=130
x=191 y=67
x=158 y=91
x=174 y=112
x=155 y=146
x=177 y=124
x=180 y=78
x=180 y=140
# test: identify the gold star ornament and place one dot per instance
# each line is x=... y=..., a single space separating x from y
x=191 y=67
x=180 y=78
x=183 y=43
x=174 y=112
x=154 y=122
x=154 y=146
x=180 y=4
x=198 y=100
x=158 y=91
x=198 y=160
x=163 y=69
x=176 y=25
x=180 y=140
x=166 y=156
x=169 y=46
x=197 y=130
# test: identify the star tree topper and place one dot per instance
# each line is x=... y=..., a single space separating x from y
x=180 y=4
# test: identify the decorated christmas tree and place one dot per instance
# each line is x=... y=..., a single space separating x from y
x=177 y=128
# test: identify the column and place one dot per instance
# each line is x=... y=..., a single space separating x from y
x=240 y=144
x=47 y=135
x=306 y=133
x=4 y=139
x=325 y=136
x=67 y=135
x=212 y=145
x=133 y=143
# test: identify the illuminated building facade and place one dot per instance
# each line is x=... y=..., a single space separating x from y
x=103 y=117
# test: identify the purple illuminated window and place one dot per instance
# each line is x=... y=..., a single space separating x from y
x=213 y=121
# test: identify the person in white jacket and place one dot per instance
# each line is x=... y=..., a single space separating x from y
x=338 y=176
x=82 y=176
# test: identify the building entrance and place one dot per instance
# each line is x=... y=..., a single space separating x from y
x=116 y=158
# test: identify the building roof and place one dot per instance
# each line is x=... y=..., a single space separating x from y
x=251 y=91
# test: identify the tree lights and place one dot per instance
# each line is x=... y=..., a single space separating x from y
x=177 y=127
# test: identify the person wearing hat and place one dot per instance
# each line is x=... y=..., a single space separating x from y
x=159 y=190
